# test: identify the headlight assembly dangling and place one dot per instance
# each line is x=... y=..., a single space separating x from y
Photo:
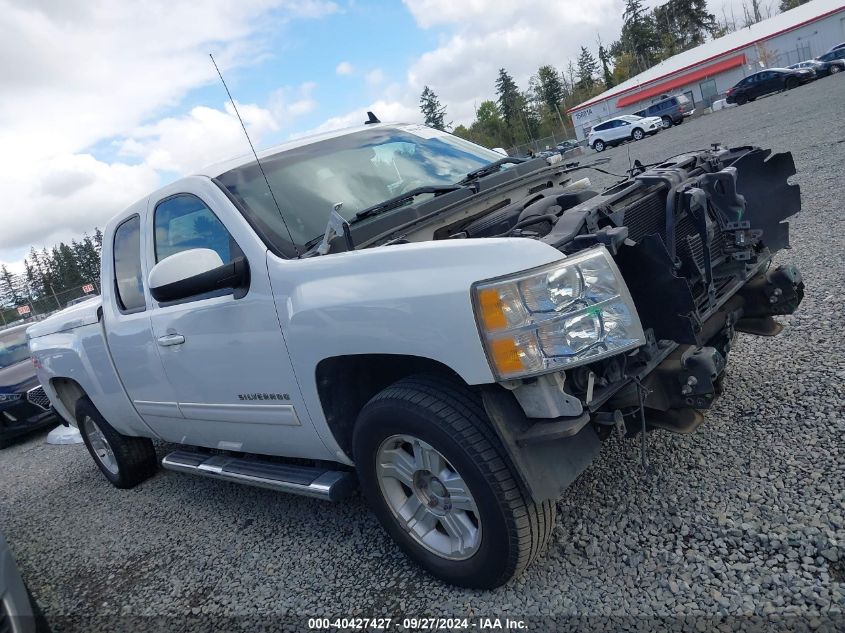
x=565 y=314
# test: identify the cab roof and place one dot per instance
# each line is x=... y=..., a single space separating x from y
x=216 y=169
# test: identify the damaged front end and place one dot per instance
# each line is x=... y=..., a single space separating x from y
x=694 y=239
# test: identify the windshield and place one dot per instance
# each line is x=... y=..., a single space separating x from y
x=358 y=170
x=13 y=348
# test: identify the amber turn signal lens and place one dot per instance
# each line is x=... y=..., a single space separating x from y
x=491 y=310
x=505 y=356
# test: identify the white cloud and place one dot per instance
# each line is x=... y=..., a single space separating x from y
x=344 y=68
x=288 y=103
x=482 y=37
x=375 y=77
x=203 y=136
x=76 y=73
x=61 y=197
x=387 y=111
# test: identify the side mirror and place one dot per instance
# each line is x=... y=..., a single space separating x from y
x=195 y=272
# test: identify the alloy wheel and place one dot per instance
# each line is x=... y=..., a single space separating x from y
x=100 y=445
x=428 y=497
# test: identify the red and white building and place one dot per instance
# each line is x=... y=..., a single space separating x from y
x=704 y=73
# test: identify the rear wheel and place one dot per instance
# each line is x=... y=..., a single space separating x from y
x=440 y=482
x=637 y=134
x=125 y=461
x=666 y=122
x=741 y=99
x=598 y=146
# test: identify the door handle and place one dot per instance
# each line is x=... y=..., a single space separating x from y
x=171 y=339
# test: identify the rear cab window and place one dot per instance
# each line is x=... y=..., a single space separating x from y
x=128 y=275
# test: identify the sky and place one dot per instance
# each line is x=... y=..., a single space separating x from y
x=104 y=101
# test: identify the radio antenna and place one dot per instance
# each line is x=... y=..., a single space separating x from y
x=254 y=153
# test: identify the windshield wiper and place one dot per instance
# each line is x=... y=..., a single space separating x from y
x=402 y=198
x=490 y=168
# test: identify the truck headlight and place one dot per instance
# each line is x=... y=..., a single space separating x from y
x=562 y=315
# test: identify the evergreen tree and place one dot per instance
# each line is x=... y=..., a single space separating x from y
x=10 y=290
x=604 y=57
x=511 y=105
x=684 y=24
x=639 y=36
x=433 y=111
x=587 y=68
x=509 y=99
x=551 y=89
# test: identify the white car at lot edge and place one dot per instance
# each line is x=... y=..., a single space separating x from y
x=627 y=127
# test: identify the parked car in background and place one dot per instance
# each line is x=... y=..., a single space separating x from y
x=822 y=69
x=766 y=82
x=671 y=110
x=566 y=146
x=627 y=127
x=810 y=64
x=835 y=56
x=838 y=47
x=17 y=612
x=24 y=407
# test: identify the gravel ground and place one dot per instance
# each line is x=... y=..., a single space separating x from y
x=741 y=524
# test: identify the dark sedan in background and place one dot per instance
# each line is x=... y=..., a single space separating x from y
x=766 y=82
x=24 y=406
x=822 y=68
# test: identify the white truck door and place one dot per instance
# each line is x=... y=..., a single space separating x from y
x=225 y=357
x=126 y=317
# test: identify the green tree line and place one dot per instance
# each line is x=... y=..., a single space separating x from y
x=53 y=277
x=648 y=36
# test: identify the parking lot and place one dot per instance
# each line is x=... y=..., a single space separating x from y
x=745 y=518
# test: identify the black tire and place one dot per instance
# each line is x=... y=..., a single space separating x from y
x=667 y=122
x=835 y=68
x=680 y=120
x=637 y=134
x=790 y=83
x=134 y=457
x=741 y=99
x=450 y=418
x=599 y=146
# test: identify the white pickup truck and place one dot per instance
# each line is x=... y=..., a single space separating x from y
x=396 y=308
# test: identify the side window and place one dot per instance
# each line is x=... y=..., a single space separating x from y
x=183 y=222
x=600 y=127
x=128 y=279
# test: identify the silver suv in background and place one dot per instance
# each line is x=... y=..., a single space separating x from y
x=627 y=127
x=671 y=110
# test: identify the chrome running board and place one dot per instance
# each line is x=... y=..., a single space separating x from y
x=309 y=481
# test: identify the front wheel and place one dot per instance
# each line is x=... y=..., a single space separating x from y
x=637 y=134
x=598 y=146
x=440 y=482
x=791 y=83
x=835 y=69
x=125 y=461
